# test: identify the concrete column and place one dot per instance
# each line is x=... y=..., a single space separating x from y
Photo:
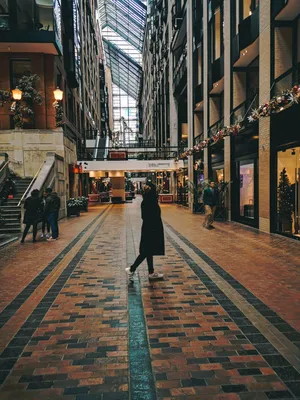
x=173 y=104
x=190 y=91
x=227 y=99
x=205 y=83
x=264 y=123
x=118 y=183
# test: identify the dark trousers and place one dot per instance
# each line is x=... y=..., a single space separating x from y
x=53 y=220
x=140 y=259
x=44 y=223
x=27 y=227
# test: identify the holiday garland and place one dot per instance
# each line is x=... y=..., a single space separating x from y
x=275 y=105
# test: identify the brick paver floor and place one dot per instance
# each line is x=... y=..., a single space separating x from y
x=221 y=325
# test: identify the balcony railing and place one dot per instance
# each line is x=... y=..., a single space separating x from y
x=216 y=127
x=249 y=30
x=129 y=153
x=178 y=13
x=180 y=74
x=243 y=110
x=286 y=80
x=277 y=6
x=32 y=22
x=198 y=139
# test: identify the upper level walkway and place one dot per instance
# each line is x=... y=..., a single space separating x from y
x=223 y=324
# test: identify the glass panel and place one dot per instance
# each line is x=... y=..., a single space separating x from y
x=247 y=190
x=4 y=17
x=283 y=84
x=288 y=191
x=19 y=68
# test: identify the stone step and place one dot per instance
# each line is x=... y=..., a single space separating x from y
x=8 y=224
x=7 y=230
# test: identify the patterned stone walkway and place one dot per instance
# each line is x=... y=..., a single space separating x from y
x=72 y=327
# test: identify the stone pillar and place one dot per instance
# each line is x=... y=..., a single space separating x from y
x=264 y=123
x=190 y=92
x=227 y=100
x=173 y=105
x=205 y=85
x=117 y=180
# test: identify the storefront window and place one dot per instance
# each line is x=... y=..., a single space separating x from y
x=247 y=190
x=218 y=175
x=288 y=191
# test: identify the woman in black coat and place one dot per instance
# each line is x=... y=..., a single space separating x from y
x=152 y=237
x=33 y=208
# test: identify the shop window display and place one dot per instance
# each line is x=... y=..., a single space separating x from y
x=247 y=190
x=288 y=191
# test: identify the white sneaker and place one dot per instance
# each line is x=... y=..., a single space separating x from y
x=48 y=236
x=130 y=274
x=156 y=275
x=42 y=236
x=51 y=239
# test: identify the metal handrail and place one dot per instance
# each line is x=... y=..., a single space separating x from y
x=4 y=166
x=30 y=185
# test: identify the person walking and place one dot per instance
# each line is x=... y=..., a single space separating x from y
x=45 y=220
x=52 y=210
x=152 y=236
x=33 y=207
x=210 y=200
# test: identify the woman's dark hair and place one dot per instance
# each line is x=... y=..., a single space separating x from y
x=35 y=193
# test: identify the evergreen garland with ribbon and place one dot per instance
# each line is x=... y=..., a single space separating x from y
x=277 y=104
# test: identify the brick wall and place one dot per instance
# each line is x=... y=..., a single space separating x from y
x=283 y=50
x=239 y=88
x=43 y=66
x=264 y=123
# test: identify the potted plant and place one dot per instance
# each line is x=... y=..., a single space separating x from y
x=23 y=110
x=73 y=207
x=196 y=192
x=285 y=203
x=84 y=202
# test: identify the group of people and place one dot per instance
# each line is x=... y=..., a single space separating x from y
x=43 y=209
x=8 y=189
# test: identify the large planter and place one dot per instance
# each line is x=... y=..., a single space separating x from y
x=75 y=210
x=285 y=225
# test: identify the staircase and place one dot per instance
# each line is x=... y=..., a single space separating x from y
x=11 y=212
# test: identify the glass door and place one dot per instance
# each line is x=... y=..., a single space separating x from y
x=245 y=200
x=247 y=191
x=288 y=192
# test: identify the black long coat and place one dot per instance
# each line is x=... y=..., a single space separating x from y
x=33 y=210
x=152 y=237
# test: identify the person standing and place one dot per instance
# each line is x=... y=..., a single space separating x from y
x=33 y=207
x=180 y=192
x=52 y=210
x=210 y=200
x=45 y=220
x=152 y=236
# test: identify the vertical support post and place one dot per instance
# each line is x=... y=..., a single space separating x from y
x=227 y=99
x=264 y=123
x=190 y=92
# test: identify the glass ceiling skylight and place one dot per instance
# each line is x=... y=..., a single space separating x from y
x=123 y=27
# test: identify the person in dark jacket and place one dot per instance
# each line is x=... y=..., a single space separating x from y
x=210 y=200
x=33 y=207
x=45 y=220
x=152 y=237
x=52 y=210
